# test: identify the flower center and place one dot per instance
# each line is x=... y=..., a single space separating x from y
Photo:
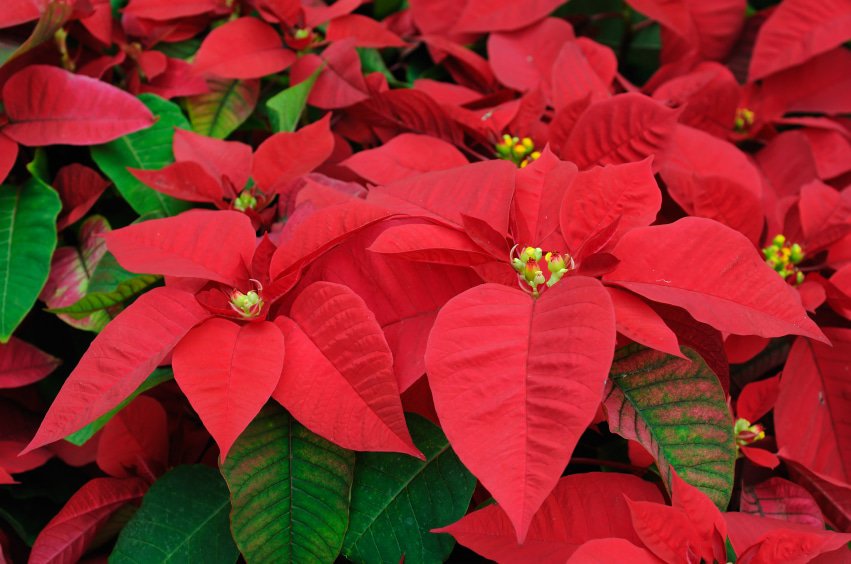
x=784 y=257
x=245 y=201
x=746 y=433
x=519 y=151
x=744 y=120
x=530 y=274
x=249 y=304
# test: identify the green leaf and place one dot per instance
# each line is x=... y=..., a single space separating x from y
x=397 y=500
x=183 y=518
x=678 y=411
x=228 y=104
x=285 y=107
x=383 y=8
x=156 y=378
x=372 y=61
x=289 y=489
x=97 y=301
x=27 y=241
x=148 y=149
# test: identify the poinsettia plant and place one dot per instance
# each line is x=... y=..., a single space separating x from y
x=289 y=281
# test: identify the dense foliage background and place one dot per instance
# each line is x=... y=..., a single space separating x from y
x=425 y=280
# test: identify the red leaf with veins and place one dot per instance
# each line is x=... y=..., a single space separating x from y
x=405 y=155
x=637 y=321
x=523 y=59
x=286 y=156
x=582 y=507
x=349 y=395
x=815 y=383
x=496 y=359
x=220 y=159
x=135 y=441
x=539 y=192
x=163 y=10
x=494 y=15
x=79 y=187
x=70 y=110
x=601 y=195
x=67 y=536
x=431 y=243
x=781 y=499
x=621 y=129
x=796 y=31
x=22 y=364
x=340 y=84
x=758 y=398
x=243 y=48
x=119 y=360
x=712 y=272
x=667 y=531
x=214 y=245
x=762 y=540
x=228 y=371
x=183 y=180
x=366 y=32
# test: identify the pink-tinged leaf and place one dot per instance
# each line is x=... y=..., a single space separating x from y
x=710 y=95
x=119 y=360
x=22 y=364
x=493 y=15
x=404 y=156
x=67 y=536
x=781 y=499
x=758 y=398
x=320 y=231
x=622 y=129
x=762 y=540
x=71 y=269
x=797 y=31
x=815 y=383
x=338 y=373
x=70 y=110
x=164 y=10
x=712 y=272
x=340 y=84
x=79 y=188
x=135 y=441
x=8 y=155
x=637 y=321
x=221 y=159
x=709 y=177
x=184 y=180
x=225 y=105
x=604 y=551
x=366 y=32
x=445 y=195
x=286 y=156
x=676 y=409
x=601 y=195
x=243 y=48
x=582 y=507
x=497 y=338
x=227 y=372
x=833 y=497
x=539 y=191
x=430 y=243
x=215 y=245
x=523 y=59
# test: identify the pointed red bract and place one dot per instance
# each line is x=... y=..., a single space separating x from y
x=66 y=537
x=184 y=181
x=597 y=197
x=340 y=83
x=797 y=31
x=79 y=187
x=758 y=398
x=221 y=159
x=493 y=15
x=285 y=156
x=22 y=364
x=135 y=441
x=228 y=371
x=622 y=129
x=168 y=9
x=604 y=551
x=366 y=32
x=762 y=540
x=243 y=48
x=637 y=321
x=70 y=109
x=403 y=156
x=713 y=273
x=119 y=360
x=214 y=245
x=811 y=416
x=338 y=374
x=582 y=507
x=497 y=359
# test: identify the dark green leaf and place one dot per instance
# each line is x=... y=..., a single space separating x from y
x=27 y=241
x=678 y=411
x=397 y=500
x=156 y=378
x=285 y=107
x=148 y=149
x=183 y=518
x=289 y=489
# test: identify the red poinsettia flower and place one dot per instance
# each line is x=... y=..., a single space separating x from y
x=215 y=318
